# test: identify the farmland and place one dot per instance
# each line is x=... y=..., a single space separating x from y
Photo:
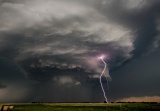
x=82 y=107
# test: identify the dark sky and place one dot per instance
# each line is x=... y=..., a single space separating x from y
x=49 y=50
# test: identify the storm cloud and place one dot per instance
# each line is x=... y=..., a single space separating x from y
x=53 y=46
x=2 y=85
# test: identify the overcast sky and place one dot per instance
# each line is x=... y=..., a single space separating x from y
x=49 y=50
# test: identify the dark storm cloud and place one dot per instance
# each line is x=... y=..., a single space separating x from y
x=137 y=79
x=2 y=85
x=13 y=85
x=56 y=43
x=64 y=38
x=140 y=16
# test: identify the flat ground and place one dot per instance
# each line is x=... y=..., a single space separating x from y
x=82 y=107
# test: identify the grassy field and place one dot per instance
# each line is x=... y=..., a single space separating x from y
x=82 y=107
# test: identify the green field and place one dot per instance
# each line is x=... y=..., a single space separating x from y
x=82 y=107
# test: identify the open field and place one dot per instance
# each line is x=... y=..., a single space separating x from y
x=82 y=107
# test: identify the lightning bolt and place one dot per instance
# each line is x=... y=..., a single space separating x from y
x=100 y=79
